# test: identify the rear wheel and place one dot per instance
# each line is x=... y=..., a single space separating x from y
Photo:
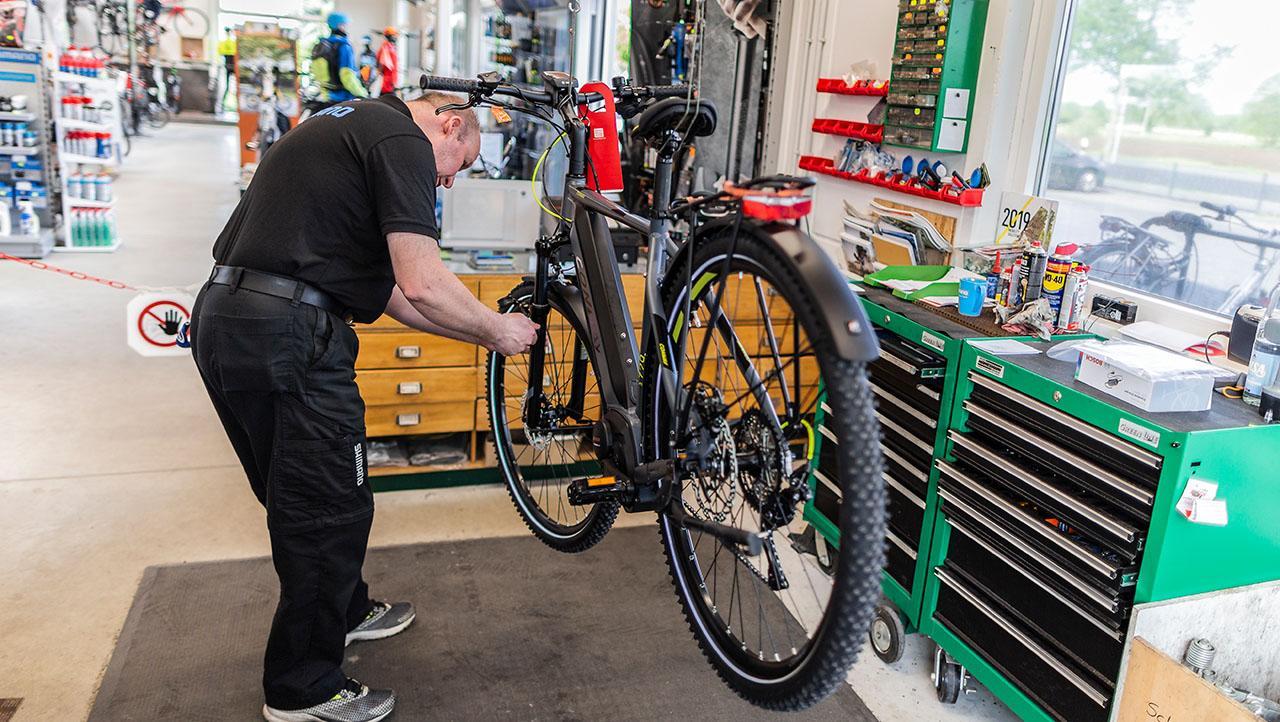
x=537 y=463
x=777 y=629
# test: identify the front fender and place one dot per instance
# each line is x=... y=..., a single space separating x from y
x=847 y=321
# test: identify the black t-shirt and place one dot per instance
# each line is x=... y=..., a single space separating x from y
x=325 y=197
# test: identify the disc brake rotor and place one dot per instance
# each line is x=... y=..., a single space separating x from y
x=714 y=479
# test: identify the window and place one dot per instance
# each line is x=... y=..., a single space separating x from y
x=1164 y=150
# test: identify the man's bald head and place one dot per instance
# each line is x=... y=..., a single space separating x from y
x=454 y=134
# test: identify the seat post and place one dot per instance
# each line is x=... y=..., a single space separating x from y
x=663 y=181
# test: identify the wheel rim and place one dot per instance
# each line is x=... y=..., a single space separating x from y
x=538 y=463
x=881 y=637
x=763 y=633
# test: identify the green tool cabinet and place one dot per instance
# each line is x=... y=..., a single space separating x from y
x=914 y=382
x=1029 y=513
x=1056 y=514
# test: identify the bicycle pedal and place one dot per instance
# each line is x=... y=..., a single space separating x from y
x=584 y=492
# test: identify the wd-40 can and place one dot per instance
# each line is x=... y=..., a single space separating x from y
x=1055 y=277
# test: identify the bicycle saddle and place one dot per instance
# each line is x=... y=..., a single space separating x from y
x=696 y=118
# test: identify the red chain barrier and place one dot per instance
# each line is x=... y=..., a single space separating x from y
x=78 y=275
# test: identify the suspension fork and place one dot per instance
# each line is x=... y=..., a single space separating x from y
x=535 y=401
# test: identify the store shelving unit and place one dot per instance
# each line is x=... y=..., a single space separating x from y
x=27 y=167
x=104 y=92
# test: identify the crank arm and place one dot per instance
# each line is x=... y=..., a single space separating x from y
x=750 y=543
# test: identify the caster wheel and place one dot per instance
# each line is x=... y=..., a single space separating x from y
x=887 y=634
x=948 y=677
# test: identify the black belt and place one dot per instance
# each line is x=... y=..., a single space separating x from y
x=290 y=289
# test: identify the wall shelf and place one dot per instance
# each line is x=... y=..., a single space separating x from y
x=970 y=198
x=861 y=87
x=849 y=129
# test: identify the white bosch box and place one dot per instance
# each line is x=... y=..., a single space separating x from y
x=1150 y=378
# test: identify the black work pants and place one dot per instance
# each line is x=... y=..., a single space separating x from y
x=281 y=377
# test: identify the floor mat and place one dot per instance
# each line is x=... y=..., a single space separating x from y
x=506 y=629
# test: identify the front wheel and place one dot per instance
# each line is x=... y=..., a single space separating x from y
x=780 y=631
x=537 y=462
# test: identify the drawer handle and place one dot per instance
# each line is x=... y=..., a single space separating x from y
x=408 y=351
x=926 y=448
x=900 y=363
x=1035 y=525
x=1044 y=587
x=887 y=396
x=835 y=488
x=1068 y=577
x=1123 y=532
x=899 y=543
x=1093 y=694
x=1141 y=456
x=911 y=497
x=409 y=388
x=909 y=466
x=1137 y=494
x=408 y=419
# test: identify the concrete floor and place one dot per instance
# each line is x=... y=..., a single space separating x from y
x=113 y=462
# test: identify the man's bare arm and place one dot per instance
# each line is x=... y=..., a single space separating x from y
x=435 y=292
x=401 y=310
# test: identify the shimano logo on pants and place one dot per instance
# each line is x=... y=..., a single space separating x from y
x=359 y=464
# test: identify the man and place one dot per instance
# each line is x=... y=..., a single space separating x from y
x=333 y=64
x=227 y=49
x=339 y=223
x=388 y=61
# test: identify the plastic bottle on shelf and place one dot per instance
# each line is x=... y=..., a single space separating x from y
x=6 y=134
x=1264 y=362
x=74 y=187
x=104 y=188
x=28 y=221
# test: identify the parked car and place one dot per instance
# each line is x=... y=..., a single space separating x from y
x=1071 y=169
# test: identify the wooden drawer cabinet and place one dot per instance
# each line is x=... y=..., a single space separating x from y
x=420 y=418
x=412 y=349
x=428 y=385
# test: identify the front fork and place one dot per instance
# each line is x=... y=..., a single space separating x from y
x=535 y=406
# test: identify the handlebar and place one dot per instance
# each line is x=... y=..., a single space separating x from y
x=1220 y=210
x=488 y=86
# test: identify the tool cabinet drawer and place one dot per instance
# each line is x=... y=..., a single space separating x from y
x=1082 y=512
x=906 y=511
x=909 y=473
x=1110 y=452
x=1059 y=686
x=403 y=386
x=1109 y=603
x=904 y=442
x=420 y=418
x=1074 y=630
x=900 y=560
x=411 y=349
x=1037 y=453
x=898 y=407
x=1033 y=526
x=826 y=498
x=899 y=356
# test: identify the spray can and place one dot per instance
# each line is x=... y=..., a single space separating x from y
x=1017 y=281
x=1055 y=277
x=1076 y=287
x=1034 y=262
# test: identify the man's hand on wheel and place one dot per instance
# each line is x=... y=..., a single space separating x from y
x=515 y=333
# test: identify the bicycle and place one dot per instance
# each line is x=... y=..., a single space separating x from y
x=743 y=322
x=1134 y=256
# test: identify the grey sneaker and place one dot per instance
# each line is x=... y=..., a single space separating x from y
x=384 y=620
x=353 y=703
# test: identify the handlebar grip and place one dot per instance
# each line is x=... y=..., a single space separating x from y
x=669 y=91
x=1210 y=207
x=452 y=85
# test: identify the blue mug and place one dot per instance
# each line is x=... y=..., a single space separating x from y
x=973 y=292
